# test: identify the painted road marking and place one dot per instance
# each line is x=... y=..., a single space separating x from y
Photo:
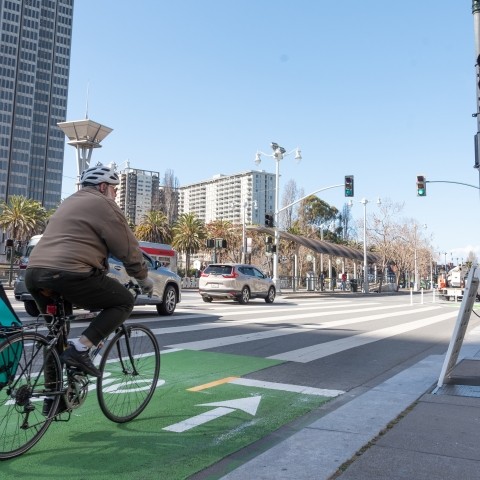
x=235 y=313
x=216 y=383
x=285 y=387
x=322 y=392
x=248 y=337
x=247 y=404
x=315 y=352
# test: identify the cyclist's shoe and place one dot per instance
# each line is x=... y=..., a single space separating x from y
x=47 y=406
x=81 y=360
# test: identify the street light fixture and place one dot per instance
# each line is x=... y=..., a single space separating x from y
x=364 y=201
x=278 y=154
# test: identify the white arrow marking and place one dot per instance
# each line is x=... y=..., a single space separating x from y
x=248 y=405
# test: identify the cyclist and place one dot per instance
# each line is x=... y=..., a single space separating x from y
x=72 y=259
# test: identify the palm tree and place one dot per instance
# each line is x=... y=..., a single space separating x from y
x=154 y=228
x=188 y=236
x=22 y=217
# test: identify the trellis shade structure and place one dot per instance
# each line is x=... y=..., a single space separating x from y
x=320 y=246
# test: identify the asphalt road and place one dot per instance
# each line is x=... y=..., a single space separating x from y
x=326 y=342
x=341 y=345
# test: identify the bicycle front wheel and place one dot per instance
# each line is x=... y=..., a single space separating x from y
x=29 y=371
x=130 y=369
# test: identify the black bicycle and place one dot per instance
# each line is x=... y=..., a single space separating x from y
x=36 y=389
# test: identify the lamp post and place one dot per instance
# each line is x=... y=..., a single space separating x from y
x=364 y=201
x=278 y=154
x=415 y=280
x=244 y=236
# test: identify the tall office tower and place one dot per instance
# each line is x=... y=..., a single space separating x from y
x=35 y=39
x=138 y=193
x=243 y=197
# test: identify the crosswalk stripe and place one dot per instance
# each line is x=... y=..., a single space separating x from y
x=297 y=317
x=315 y=352
x=240 y=311
x=248 y=337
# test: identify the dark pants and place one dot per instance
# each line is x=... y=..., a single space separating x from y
x=91 y=291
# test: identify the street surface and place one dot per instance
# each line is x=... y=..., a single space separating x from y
x=234 y=375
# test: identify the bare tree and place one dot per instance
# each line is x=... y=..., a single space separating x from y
x=290 y=194
x=169 y=196
x=400 y=243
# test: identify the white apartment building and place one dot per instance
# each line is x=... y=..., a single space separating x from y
x=224 y=197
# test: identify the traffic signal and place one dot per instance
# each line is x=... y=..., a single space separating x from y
x=268 y=220
x=421 y=186
x=349 y=185
x=269 y=248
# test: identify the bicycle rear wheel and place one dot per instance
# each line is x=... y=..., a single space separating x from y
x=130 y=369
x=23 y=358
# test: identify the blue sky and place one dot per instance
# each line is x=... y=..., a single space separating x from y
x=381 y=90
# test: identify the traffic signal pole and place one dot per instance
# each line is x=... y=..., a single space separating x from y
x=476 y=28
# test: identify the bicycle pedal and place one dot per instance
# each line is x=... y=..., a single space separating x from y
x=58 y=416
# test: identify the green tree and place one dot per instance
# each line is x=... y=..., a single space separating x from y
x=154 y=228
x=189 y=236
x=22 y=217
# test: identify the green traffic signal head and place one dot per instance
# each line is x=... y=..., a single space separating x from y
x=421 y=186
x=349 y=186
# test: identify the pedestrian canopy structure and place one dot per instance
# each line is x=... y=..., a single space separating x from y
x=320 y=246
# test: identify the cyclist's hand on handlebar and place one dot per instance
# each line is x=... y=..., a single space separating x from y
x=146 y=285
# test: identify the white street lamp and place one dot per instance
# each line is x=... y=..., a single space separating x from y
x=278 y=154
x=364 y=201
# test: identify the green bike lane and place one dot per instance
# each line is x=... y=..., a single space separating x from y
x=201 y=412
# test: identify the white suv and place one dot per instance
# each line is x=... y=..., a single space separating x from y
x=235 y=281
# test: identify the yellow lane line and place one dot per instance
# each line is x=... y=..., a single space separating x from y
x=211 y=384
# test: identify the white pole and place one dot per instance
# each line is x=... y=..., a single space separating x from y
x=244 y=238
x=365 y=261
x=277 y=235
x=415 y=273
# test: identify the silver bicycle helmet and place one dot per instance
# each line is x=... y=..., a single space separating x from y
x=99 y=174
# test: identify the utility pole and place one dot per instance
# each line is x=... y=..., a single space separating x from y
x=476 y=28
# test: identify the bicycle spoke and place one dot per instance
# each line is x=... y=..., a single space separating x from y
x=130 y=369
x=22 y=423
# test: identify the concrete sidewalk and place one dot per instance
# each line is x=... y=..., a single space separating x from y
x=397 y=430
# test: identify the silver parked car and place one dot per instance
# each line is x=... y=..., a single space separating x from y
x=235 y=281
x=166 y=284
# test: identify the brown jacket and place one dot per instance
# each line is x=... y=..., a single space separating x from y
x=84 y=230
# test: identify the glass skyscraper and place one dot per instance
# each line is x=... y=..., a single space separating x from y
x=34 y=70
